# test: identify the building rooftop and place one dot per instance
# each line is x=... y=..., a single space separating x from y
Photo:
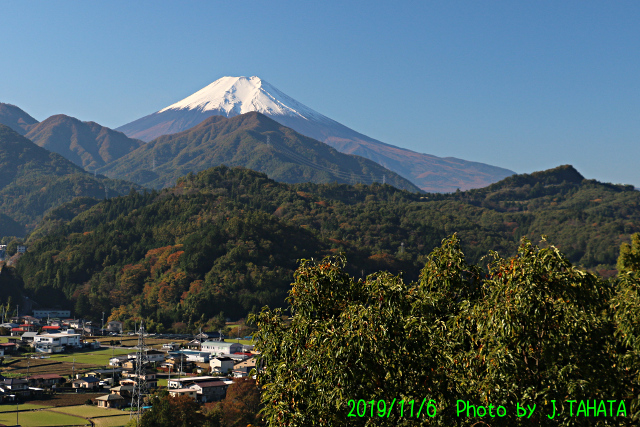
x=220 y=343
x=112 y=396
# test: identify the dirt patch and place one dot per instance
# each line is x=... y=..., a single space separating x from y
x=67 y=399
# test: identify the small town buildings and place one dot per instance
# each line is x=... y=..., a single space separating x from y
x=118 y=360
x=209 y=391
x=56 y=343
x=182 y=382
x=221 y=364
x=155 y=356
x=114 y=326
x=217 y=348
x=51 y=312
x=87 y=382
x=111 y=401
x=243 y=368
x=9 y=347
x=45 y=380
x=149 y=378
x=15 y=386
x=192 y=355
x=18 y=331
x=238 y=357
x=104 y=373
x=28 y=337
x=30 y=320
x=193 y=345
x=123 y=390
x=170 y=346
x=209 y=336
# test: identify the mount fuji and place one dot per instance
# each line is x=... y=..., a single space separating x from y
x=232 y=96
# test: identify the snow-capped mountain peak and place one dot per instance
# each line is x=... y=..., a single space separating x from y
x=231 y=96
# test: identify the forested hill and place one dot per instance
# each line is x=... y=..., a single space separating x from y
x=250 y=140
x=33 y=180
x=229 y=239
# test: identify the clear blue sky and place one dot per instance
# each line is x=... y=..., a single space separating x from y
x=526 y=85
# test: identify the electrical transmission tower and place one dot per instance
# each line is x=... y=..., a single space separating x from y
x=140 y=389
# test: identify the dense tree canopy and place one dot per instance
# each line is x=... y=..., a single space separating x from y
x=229 y=239
x=527 y=329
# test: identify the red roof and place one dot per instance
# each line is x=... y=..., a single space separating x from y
x=8 y=344
x=50 y=327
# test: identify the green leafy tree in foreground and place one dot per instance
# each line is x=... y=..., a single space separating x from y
x=530 y=329
x=629 y=259
x=626 y=312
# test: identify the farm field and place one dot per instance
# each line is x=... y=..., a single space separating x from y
x=42 y=418
x=95 y=358
x=115 y=421
x=10 y=407
x=40 y=415
x=66 y=399
x=86 y=411
x=43 y=366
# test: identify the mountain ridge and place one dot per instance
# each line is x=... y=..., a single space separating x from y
x=16 y=118
x=250 y=140
x=87 y=144
x=230 y=96
x=33 y=180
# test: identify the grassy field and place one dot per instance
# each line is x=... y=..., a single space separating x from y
x=97 y=357
x=115 y=421
x=4 y=339
x=87 y=411
x=42 y=418
x=9 y=407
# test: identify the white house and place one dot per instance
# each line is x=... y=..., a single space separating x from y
x=193 y=356
x=220 y=347
x=221 y=364
x=55 y=343
x=183 y=382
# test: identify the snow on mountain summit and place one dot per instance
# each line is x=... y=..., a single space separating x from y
x=231 y=96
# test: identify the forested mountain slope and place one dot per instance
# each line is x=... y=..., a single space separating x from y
x=229 y=239
x=16 y=118
x=250 y=140
x=33 y=180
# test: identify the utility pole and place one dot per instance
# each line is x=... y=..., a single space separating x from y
x=102 y=330
x=140 y=386
x=73 y=369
